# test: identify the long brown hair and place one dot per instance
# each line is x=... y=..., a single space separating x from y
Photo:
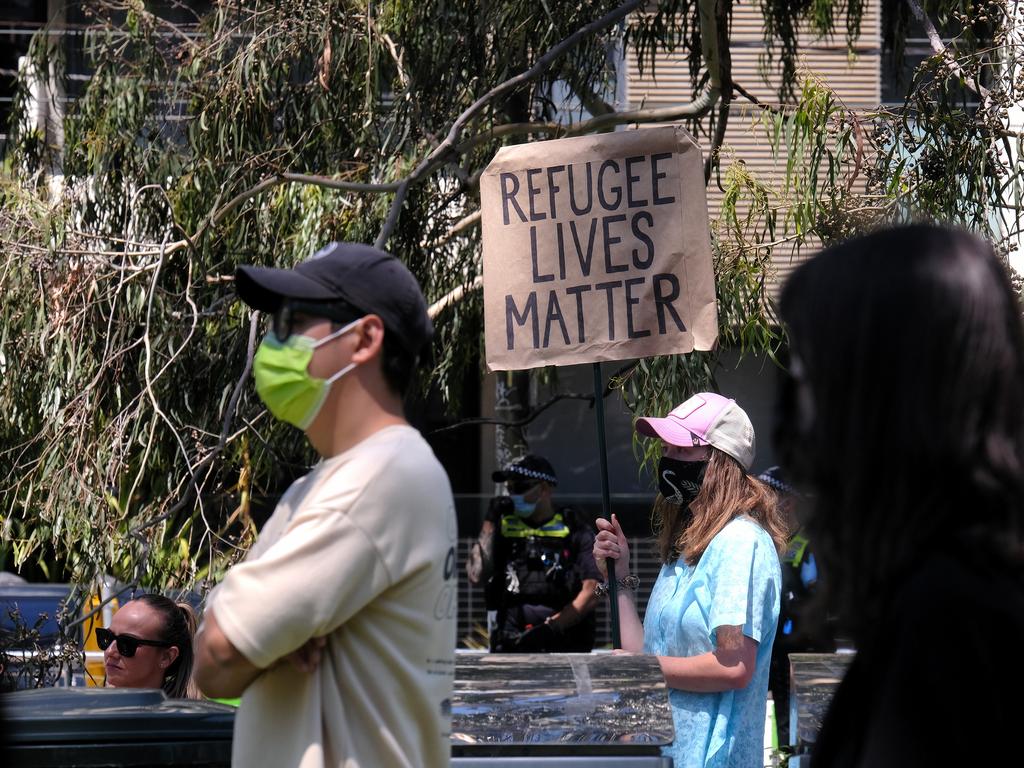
x=179 y=630
x=727 y=492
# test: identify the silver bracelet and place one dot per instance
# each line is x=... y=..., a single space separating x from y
x=630 y=582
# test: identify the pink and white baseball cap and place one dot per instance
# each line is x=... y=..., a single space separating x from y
x=705 y=419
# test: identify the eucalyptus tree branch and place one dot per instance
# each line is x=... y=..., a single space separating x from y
x=719 y=62
x=148 y=382
x=693 y=110
x=98 y=608
x=348 y=186
x=225 y=431
x=858 y=160
x=454 y=296
x=466 y=222
x=711 y=161
x=542 y=64
x=192 y=327
x=440 y=155
x=942 y=50
x=403 y=77
x=483 y=421
x=712 y=33
x=393 y=213
x=219 y=214
x=609 y=387
x=764 y=107
x=300 y=178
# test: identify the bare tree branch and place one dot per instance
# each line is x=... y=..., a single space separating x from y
x=454 y=296
x=519 y=422
x=461 y=225
x=719 y=62
x=941 y=49
x=695 y=109
x=591 y=102
x=393 y=213
x=711 y=36
x=711 y=161
x=542 y=64
x=348 y=186
x=754 y=100
x=858 y=160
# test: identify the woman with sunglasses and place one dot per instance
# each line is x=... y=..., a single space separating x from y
x=149 y=645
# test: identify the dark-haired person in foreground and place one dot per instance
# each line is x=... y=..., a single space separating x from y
x=904 y=414
x=352 y=579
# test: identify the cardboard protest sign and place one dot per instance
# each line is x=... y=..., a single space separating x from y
x=596 y=248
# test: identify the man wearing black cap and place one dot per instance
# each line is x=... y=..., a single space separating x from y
x=538 y=565
x=352 y=578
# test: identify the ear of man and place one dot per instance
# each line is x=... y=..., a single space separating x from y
x=369 y=340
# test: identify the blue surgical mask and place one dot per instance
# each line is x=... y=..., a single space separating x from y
x=523 y=507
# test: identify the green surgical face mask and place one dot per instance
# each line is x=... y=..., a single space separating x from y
x=282 y=376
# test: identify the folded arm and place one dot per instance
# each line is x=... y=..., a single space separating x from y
x=220 y=669
x=729 y=667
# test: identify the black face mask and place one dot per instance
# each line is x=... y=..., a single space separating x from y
x=680 y=481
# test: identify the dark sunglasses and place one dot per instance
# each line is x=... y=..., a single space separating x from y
x=284 y=319
x=126 y=644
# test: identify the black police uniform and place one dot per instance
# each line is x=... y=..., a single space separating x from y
x=537 y=572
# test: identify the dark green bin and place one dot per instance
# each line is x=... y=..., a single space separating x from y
x=127 y=728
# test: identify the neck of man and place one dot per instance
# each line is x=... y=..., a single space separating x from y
x=358 y=406
x=545 y=511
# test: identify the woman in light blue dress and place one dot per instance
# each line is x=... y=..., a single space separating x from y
x=713 y=612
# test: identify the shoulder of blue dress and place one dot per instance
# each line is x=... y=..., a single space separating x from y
x=742 y=527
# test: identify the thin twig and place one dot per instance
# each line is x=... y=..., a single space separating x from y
x=520 y=422
x=224 y=433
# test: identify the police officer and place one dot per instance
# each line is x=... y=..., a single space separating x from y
x=536 y=561
x=804 y=625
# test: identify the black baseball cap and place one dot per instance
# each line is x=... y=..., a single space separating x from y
x=372 y=281
x=531 y=467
